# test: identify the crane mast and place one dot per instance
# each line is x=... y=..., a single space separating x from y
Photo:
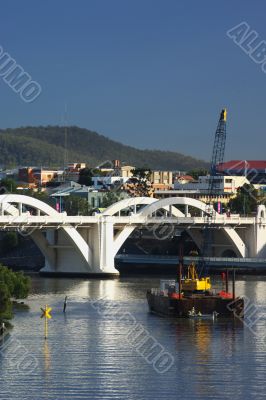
x=217 y=154
x=213 y=189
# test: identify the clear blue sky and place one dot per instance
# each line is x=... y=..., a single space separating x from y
x=149 y=73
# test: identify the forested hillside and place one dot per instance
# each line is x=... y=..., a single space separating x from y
x=46 y=146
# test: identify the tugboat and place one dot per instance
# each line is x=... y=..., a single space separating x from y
x=192 y=297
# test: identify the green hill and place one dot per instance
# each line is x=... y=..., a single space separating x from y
x=44 y=146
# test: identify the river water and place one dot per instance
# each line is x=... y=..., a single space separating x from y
x=89 y=353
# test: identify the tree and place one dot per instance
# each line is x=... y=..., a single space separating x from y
x=195 y=173
x=85 y=175
x=75 y=205
x=5 y=302
x=245 y=201
x=43 y=146
x=40 y=195
x=140 y=184
x=110 y=198
x=21 y=286
x=142 y=174
x=8 y=185
x=17 y=283
x=12 y=284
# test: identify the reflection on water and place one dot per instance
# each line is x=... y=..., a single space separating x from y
x=47 y=356
x=202 y=334
x=87 y=355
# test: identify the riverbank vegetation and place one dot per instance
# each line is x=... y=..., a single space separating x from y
x=13 y=285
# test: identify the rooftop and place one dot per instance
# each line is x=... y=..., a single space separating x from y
x=242 y=165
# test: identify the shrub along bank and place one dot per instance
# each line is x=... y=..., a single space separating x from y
x=13 y=285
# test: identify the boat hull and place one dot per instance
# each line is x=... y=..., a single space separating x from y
x=205 y=304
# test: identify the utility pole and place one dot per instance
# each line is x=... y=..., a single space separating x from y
x=65 y=137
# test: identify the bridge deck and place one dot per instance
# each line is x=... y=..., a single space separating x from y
x=63 y=219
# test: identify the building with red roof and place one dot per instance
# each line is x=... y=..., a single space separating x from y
x=253 y=170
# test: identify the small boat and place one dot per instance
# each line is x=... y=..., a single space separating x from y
x=193 y=314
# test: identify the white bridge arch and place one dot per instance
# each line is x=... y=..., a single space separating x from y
x=7 y=202
x=152 y=205
x=88 y=244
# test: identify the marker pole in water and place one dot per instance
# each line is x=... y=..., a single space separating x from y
x=45 y=328
x=65 y=304
x=46 y=315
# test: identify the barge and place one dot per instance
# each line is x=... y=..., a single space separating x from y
x=192 y=297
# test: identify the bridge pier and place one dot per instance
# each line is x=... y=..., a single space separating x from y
x=107 y=263
x=68 y=261
x=260 y=250
x=101 y=241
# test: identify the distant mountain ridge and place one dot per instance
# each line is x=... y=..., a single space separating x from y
x=44 y=146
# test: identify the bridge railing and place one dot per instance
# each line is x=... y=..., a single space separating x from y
x=62 y=218
x=223 y=219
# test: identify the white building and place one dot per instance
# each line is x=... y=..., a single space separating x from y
x=224 y=184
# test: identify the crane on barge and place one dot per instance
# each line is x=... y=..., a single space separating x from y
x=213 y=190
x=192 y=296
x=200 y=281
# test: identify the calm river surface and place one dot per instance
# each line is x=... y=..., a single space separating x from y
x=88 y=354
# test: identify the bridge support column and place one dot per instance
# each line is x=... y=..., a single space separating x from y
x=254 y=236
x=261 y=232
x=107 y=264
x=20 y=208
x=101 y=241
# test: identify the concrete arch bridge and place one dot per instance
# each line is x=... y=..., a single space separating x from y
x=89 y=244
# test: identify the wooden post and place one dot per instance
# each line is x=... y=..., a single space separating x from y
x=226 y=280
x=65 y=304
x=234 y=284
x=179 y=279
x=180 y=267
